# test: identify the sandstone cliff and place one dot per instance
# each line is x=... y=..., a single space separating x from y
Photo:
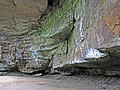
x=72 y=35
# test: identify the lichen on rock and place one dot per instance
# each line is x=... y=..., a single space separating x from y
x=70 y=36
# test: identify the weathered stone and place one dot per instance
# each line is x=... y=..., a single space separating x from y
x=18 y=15
x=92 y=31
x=18 y=20
x=2 y=68
x=96 y=71
x=32 y=66
x=38 y=75
x=2 y=73
x=112 y=73
x=81 y=35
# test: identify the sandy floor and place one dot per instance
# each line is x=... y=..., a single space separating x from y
x=58 y=83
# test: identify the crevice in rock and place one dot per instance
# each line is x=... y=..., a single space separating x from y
x=14 y=3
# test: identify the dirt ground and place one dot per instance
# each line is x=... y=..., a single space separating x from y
x=59 y=82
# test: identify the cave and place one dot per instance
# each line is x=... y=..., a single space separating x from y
x=60 y=44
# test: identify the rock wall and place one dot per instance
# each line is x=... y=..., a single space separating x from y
x=18 y=19
x=73 y=36
x=82 y=32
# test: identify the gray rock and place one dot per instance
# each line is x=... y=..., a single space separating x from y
x=112 y=73
x=38 y=75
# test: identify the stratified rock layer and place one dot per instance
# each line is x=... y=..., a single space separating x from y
x=95 y=25
x=73 y=36
x=18 y=20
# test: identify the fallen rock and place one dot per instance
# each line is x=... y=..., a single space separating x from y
x=38 y=75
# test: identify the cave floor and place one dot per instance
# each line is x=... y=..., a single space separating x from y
x=59 y=82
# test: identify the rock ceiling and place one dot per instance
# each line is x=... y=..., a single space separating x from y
x=18 y=15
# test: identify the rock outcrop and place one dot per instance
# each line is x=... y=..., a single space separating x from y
x=70 y=36
x=95 y=26
x=18 y=20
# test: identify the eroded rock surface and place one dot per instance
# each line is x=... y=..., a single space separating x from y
x=70 y=36
x=18 y=19
x=17 y=15
x=96 y=26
